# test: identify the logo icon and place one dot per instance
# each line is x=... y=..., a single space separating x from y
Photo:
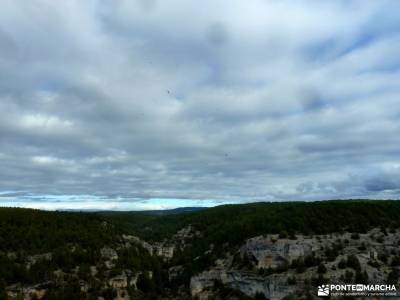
x=360 y=287
x=323 y=290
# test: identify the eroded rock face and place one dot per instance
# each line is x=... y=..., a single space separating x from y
x=109 y=253
x=272 y=287
x=37 y=291
x=185 y=233
x=269 y=265
x=270 y=253
x=33 y=259
x=120 y=281
x=204 y=281
x=163 y=249
x=166 y=248
x=247 y=282
x=136 y=240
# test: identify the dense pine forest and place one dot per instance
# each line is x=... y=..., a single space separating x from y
x=90 y=250
x=35 y=245
x=36 y=231
x=227 y=226
x=238 y=222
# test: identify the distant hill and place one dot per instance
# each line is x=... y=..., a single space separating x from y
x=173 y=211
x=160 y=212
x=149 y=212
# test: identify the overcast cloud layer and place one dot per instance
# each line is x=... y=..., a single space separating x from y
x=135 y=104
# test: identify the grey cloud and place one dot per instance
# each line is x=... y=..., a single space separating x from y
x=133 y=100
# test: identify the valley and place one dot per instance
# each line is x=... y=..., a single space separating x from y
x=251 y=251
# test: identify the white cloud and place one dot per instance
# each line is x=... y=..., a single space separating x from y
x=39 y=121
x=233 y=102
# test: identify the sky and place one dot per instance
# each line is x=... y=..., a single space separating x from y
x=153 y=104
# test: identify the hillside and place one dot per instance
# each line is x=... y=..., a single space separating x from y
x=228 y=226
x=41 y=231
x=235 y=223
x=68 y=255
x=197 y=254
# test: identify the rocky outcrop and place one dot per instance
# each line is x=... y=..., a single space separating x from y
x=120 y=281
x=163 y=249
x=109 y=253
x=136 y=240
x=270 y=266
x=33 y=259
x=272 y=287
x=166 y=248
x=37 y=291
x=271 y=253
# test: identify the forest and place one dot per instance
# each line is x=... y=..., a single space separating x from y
x=75 y=240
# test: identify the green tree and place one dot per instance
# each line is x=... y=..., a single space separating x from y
x=144 y=283
x=291 y=280
x=395 y=261
x=353 y=262
x=361 y=277
x=299 y=265
x=3 y=294
x=109 y=293
x=259 y=296
x=348 y=276
x=321 y=269
x=393 y=277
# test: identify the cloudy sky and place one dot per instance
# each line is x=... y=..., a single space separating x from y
x=156 y=104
